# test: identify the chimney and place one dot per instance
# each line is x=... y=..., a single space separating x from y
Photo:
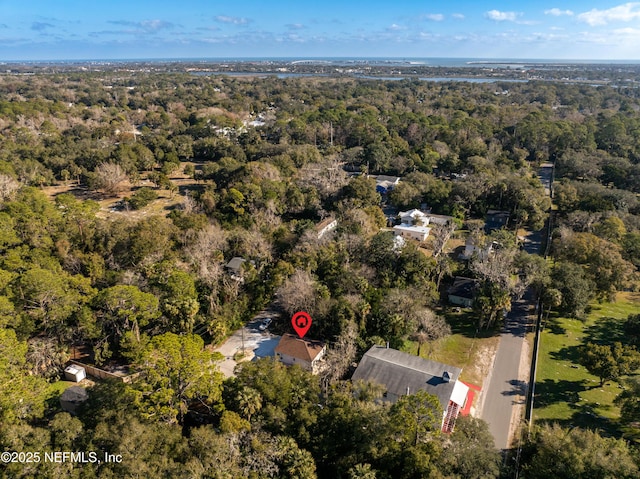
x=387 y=344
x=446 y=377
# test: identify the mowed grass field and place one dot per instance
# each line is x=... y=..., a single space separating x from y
x=566 y=392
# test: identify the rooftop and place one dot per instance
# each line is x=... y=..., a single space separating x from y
x=401 y=372
x=463 y=287
x=235 y=263
x=404 y=227
x=304 y=349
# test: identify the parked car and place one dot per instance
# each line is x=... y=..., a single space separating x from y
x=265 y=324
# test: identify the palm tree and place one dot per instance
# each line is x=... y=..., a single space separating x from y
x=249 y=402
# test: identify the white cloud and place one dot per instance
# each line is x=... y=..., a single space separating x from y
x=155 y=24
x=628 y=35
x=458 y=16
x=231 y=20
x=622 y=13
x=434 y=17
x=143 y=27
x=499 y=16
x=556 y=12
x=395 y=28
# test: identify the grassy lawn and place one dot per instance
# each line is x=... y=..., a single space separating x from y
x=58 y=387
x=565 y=392
x=474 y=354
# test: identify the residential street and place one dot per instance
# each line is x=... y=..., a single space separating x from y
x=505 y=393
x=503 y=400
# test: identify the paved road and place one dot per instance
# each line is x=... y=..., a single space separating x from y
x=545 y=173
x=504 y=398
x=505 y=395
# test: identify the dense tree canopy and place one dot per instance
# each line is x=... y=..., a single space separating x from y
x=124 y=196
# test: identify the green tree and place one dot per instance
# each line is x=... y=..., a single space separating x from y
x=289 y=397
x=177 y=371
x=417 y=418
x=142 y=198
x=610 y=361
x=576 y=453
x=470 y=453
x=632 y=329
x=630 y=407
x=51 y=297
x=124 y=308
x=576 y=289
x=361 y=192
x=23 y=394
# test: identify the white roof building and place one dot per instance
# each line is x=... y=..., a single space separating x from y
x=414 y=217
x=419 y=233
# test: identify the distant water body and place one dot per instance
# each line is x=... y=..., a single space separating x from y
x=364 y=77
x=354 y=61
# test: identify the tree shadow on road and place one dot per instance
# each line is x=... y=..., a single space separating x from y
x=518 y=388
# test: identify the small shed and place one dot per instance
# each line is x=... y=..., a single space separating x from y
x=74 y=373
x=72 y=398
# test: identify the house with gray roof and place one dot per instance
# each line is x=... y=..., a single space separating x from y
x=403 y=374
x=463 y=291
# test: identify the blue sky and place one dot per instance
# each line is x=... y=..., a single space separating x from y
x=70 y=29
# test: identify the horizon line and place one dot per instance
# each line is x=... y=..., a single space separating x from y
x=337 y=58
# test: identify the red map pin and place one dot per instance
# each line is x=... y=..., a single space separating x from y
x=301 y=322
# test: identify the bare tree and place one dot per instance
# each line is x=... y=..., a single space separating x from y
x=430 y=327
x=110 y=178
x=46 y=357
x=441 y=234
x=496 y=268
x=8 y=187
x=298 y=292
x=206 y=257
x=340 y=356
x=253 y=244
x=327 y=176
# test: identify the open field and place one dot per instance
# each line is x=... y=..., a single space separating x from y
x=463 y=348
x=163 y=205
x=565 y=392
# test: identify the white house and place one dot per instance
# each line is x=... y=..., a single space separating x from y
x=439 y=219
x=305 y=353
x=413 y=217
x=418 y=233
x=472 y=247
x=325 y=226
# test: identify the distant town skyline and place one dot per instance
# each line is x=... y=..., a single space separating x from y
x=69 y=29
